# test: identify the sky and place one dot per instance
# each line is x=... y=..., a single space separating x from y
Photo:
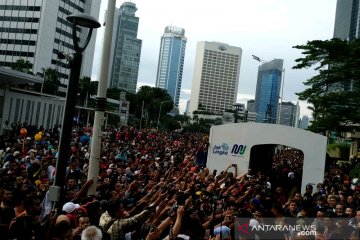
x=265 y=28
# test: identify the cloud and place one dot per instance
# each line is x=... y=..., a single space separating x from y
x=140 y=84
x=186 y=91
x=270 y=33
x=304 y=109
x=243 y=97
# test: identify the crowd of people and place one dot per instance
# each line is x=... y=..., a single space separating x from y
x=155 y=185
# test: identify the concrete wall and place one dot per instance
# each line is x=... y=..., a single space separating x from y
x=32 y=109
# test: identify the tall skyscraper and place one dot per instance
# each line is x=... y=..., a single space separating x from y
x=304 y=123
x=250 y=105
x=290 y=114
x=216 y=77
x=347 y=19
x=126 y=49
x=187 y=109
x=171 y=62
x=347 y=27
x=37 y=30
x=268 y=90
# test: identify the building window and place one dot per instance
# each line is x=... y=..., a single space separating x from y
x=10 y=108
x=44 y=114
x=18 y=42
x=19 y=8
x=18 y=19
x=32 y=112
x=18 y=30
x=21 y=109
x=17 y=109
x=37 y=114
x=58 y=115
x=16 y=53
x=49 y=116
x=73 y=5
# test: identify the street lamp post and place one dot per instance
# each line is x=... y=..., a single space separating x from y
x=86 y=21
x=238 y=106
x=100 y=105
x=158 y=121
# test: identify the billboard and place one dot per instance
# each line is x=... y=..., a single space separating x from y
x=232 y=143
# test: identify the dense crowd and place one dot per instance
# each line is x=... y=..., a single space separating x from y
x=155 y=185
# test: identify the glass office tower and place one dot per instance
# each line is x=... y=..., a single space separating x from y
x=347 y=20
x=126 y=50
x=171 y=62
x=268 y=91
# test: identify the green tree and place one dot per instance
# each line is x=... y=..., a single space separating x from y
x=51 y=81
x=22 y=65
x=115 y=93
x=184 y=120
x=218 y=121
x=152 y=98
x=135 y=105
x=170 y=123
x=338 y=64
x=86 y=89
x=195 y=118
x=148 y=101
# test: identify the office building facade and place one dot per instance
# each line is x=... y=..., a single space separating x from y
x=250 y=105
x=171 y=62
x=268 y=91
x=304 y=122
x=347 y=27
x=187 y=108
x=289 y=114
x=36 y=30
x=216 y=77
x=347 y=20
x=126 y=49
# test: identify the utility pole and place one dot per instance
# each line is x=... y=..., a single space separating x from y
x=100 y=106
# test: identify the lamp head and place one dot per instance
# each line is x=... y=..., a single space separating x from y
x=67 y=56
x=83 y=20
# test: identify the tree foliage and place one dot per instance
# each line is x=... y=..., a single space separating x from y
x=51 y=81
x=338 y=66
x=114 y=93
x=86 y=89
x=22 y=65
x=147 y=101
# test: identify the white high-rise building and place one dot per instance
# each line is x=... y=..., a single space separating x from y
x=216 y=77
x=36 y=30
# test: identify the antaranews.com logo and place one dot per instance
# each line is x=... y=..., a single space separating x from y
x=246 y=228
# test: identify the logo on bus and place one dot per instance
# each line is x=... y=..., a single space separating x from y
x=221 y=149
x=238 y=149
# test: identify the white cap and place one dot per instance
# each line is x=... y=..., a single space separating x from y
x=69 y=207
x=16 y=153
